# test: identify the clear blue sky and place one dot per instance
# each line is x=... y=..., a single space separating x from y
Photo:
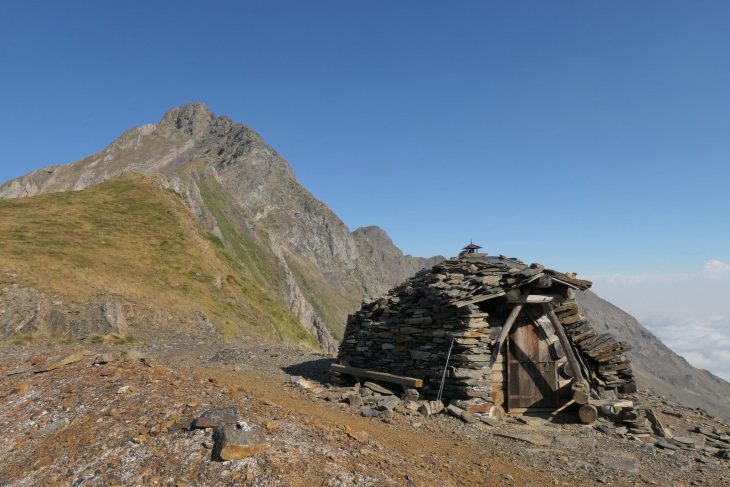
x=592 y=136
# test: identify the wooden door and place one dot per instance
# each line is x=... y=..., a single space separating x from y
x=532 y=376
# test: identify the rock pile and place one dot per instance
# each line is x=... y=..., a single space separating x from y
x=385 y=402
x=606 y=356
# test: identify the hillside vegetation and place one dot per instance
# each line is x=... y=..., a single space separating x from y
x=133 y=237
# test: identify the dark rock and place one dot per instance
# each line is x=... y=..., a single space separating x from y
x=231 y=443
x=216 y=417
x=369 y=412
x=354 y=400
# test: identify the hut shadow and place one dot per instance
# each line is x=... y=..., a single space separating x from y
x=315 y=370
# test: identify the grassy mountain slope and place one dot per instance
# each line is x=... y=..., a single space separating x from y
x=133 y=235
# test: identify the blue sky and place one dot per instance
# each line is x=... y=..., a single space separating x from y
x=592 y=136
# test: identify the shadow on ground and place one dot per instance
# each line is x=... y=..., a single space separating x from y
x=316 y=370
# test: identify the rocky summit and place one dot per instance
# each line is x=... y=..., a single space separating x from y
x=169 y=311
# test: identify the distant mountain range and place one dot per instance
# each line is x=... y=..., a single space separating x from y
x=261 y=254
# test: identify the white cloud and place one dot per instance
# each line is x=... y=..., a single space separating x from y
x=717 y=268
x=689 y=312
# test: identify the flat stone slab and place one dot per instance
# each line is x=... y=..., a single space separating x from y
x=622 y=463
x=533 y=439
x=57 y=364
x=379 y=389
x=564 y=441
x=214 y=418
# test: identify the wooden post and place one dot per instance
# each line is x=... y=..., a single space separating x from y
x=505 y=332
x=581 y=389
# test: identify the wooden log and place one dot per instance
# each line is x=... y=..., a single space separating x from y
x=531 y=299
x=429 y=408
x=588 y=413
x=505 y=332
x=374 y=375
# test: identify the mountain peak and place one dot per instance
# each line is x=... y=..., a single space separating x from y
x=192 y=118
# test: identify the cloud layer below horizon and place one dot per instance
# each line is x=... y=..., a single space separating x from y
x=689 y=312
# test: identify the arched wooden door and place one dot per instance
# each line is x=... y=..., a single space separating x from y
x=532 y=375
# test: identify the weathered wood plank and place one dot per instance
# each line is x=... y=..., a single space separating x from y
x=505 y=332
x=374 y=375
x=531 y=299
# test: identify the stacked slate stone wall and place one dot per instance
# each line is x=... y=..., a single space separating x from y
x=409 y=331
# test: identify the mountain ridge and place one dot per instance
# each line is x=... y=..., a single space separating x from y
x=234 y=183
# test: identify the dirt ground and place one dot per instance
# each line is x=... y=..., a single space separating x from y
x=120 y=423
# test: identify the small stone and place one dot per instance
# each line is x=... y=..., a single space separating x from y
x=410 y=395
x=132 y=355
x=125 y=390
x=369 y=412
x=389 y=403
x=354 y=400
x=360 y=436
x=235 y=444
x=21 y=388
x=103 y=358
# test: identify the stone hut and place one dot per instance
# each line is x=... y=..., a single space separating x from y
x=486 y=329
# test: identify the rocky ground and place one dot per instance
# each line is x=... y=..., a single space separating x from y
x=125 y=414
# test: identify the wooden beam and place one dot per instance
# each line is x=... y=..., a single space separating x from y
x=578 y=379
x=478 y=299
x=531 y=299
x=374 y=375
x=504 y=332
